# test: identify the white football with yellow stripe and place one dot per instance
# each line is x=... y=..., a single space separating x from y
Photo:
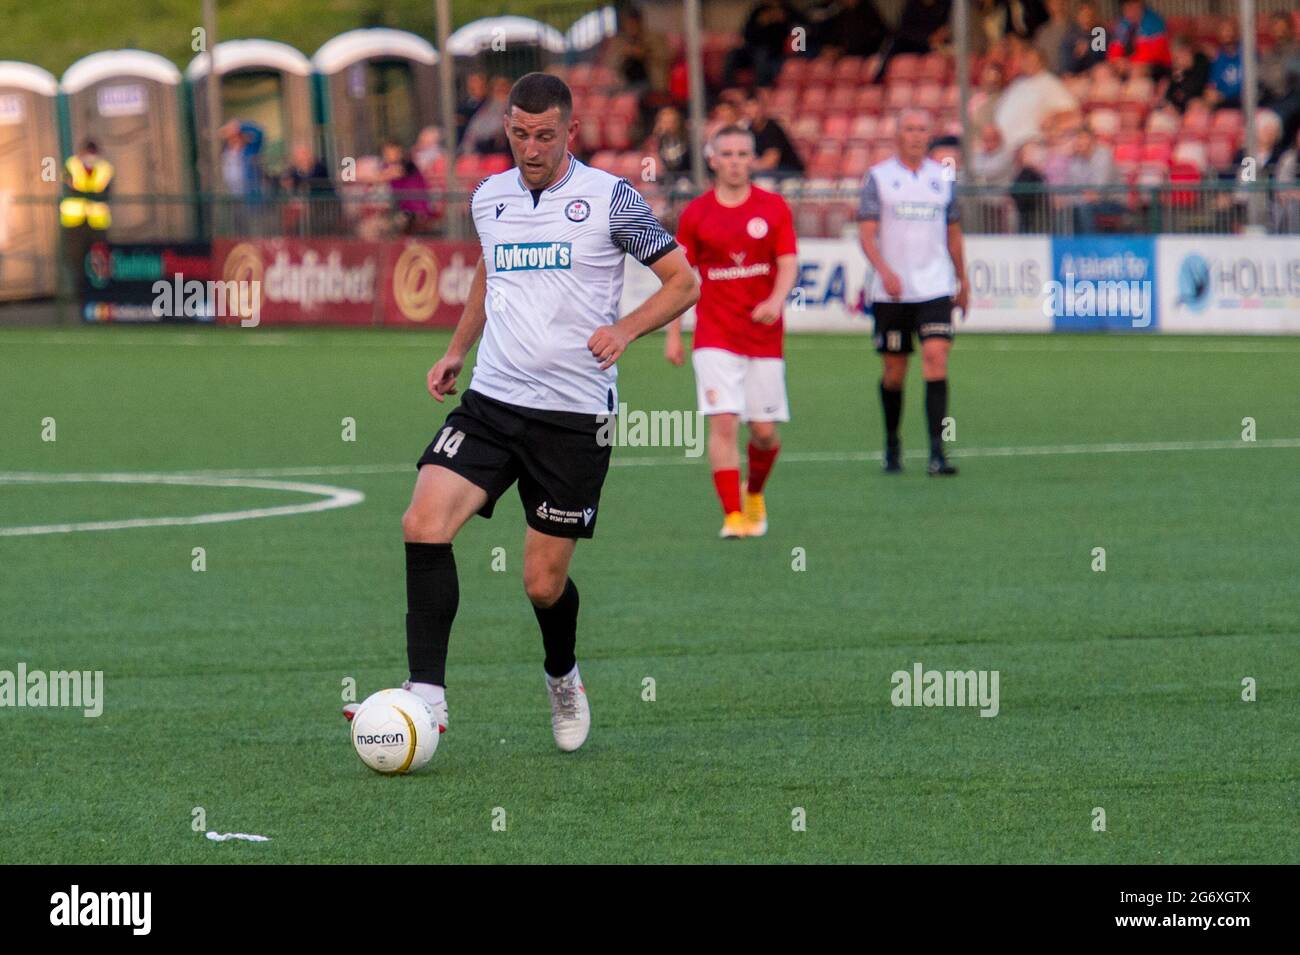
x=394 y=732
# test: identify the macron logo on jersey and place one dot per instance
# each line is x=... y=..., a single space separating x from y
x=917 y=211
x=523 y=256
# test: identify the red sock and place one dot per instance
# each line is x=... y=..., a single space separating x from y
x=727 y=483
x=760 y=464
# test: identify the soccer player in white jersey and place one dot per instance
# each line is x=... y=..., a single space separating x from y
x=545 y=300
x=910 y=229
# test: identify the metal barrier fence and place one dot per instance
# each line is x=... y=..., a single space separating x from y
x=30 y=264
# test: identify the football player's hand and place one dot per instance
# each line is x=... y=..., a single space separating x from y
x=674 y=351
x=766 y=312
x=962 y=300
x=442 y=376
x=607 y=343
x=892 y=283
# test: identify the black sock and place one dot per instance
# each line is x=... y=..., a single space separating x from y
x=892 y=402
x=559 y=623
x=432 y=596
x=936 y=409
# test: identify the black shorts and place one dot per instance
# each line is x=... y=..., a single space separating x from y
x=897 y=322
x=556 y=456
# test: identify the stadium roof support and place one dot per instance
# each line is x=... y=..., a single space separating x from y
x=961 y=30
x=695 y=80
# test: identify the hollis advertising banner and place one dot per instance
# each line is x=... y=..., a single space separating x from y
x=350 y=282
x=1229 y=284
x=137 y=282
x=1007 y=276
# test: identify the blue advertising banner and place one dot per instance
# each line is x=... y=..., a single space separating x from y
x=1102 y=283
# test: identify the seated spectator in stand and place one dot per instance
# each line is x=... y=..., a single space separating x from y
x=1050 y=37
x=765 y=36
x=1089 y=163
x=638 y=56
x=669 y=142
x=1030 y=201
x=992 y=163
x=476 y=91
x=367 y=201
x=1190 y=74
x=773 y=150
x=407 y=183
x=306 y=176
x=427 y=153
x=946 y=151
x=853 y=27
x=1139 y=39
x=486 y=132
x=984 y=101
x=923 y=27
x=1082 y=47
x=1286 y=211
x=1268 y=149
x=1225 y=69
x=725 y=113
x=1035 y=103
x=1277 y=66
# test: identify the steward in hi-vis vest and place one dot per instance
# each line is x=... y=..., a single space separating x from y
x=89 y=176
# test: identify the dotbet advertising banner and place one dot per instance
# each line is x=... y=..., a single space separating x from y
x=411 y=282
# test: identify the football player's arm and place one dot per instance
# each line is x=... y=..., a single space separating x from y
x=769 y=310
x=678 y=290
x=869 y=230
x=442 y=376
x=957 y=252
x=674 y=351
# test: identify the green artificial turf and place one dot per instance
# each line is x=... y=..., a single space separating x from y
x=1119 y=689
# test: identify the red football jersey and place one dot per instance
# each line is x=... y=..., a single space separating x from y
x=735 y=248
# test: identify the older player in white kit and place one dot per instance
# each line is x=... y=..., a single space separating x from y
x=910 y=229
x=545 y=299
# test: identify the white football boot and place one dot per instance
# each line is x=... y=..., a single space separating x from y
x=439 y=709
x=570 y=713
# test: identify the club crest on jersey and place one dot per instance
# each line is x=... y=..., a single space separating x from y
x=525 y=256
x=756 y=227
x=577 y=210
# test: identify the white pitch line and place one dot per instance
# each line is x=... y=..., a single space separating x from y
x=202 y=477
x=332 y=497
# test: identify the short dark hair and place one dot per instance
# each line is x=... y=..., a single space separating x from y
x=538 y=92
x=734 y=130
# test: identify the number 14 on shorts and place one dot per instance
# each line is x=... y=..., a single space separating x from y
x=448 y=442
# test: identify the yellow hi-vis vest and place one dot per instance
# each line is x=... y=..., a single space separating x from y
x=86 y=183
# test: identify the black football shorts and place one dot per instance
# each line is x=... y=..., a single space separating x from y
x=556 y=456
x=898 y=322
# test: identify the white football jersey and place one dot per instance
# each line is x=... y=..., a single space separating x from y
x=554 y=265
x=914 y=210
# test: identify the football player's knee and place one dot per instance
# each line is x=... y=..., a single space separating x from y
x=422 y=525
x=764 y=437
x=935 y=366
x=543 y=585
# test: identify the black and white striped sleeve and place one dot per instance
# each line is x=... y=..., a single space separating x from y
x=634 y=228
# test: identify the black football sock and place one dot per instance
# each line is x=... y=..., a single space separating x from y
x=936 y=409
x=432 y=596
x=892 y=402
x=559 y=623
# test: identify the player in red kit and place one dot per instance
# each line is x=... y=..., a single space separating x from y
x=741 y=238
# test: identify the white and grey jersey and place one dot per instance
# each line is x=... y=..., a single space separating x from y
x=914 y=210
x=554 y=264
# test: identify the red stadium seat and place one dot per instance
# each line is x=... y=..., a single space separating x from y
x=794 y=72
x=847 y=70
x=836 y=126
x=1183 y=172
x=1129 y=152
x=842 y=99
x=491 y=165
x=820 y=71
x=1222 y=153
x=899 y=95
x=869 y=99
x=1190 y=152
x=863 y=126
x=626 y=106
x=813 y=100
x=934 y=67
x=618 y=133
x=468 y=167
x=1157 y=152
x=1227 y=121
x=605 y=160
x=905 y=67
x=929 y=96
x=784 y=98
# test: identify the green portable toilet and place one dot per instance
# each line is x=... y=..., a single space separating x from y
x=262 y=82
x=30 y=173
x=128 y=102
x=378 y=84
